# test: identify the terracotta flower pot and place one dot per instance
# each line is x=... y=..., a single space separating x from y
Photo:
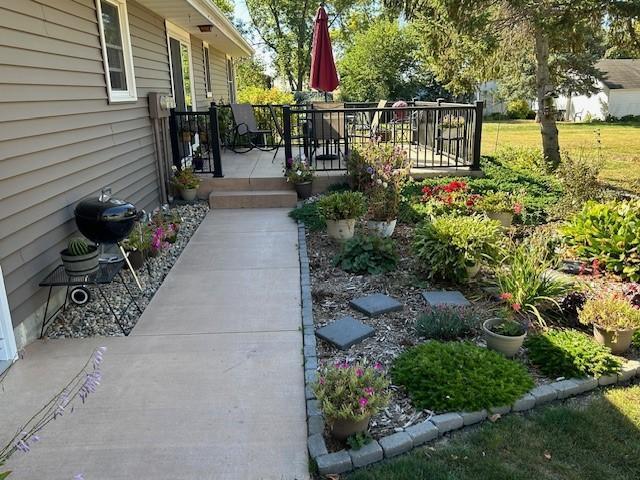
x=382 y=228
x=505 y=218
x=188 y=194
x=304 y=189
x=504 y=344
x=618 y=341
x=341 y=229
x=342 y=429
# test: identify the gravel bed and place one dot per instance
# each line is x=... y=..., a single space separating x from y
x=95 y=319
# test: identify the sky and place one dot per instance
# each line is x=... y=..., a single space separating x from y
x=242 y=13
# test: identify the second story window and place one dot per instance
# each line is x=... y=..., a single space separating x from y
x=116 y=50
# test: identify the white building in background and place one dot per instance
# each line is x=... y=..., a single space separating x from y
x=618 y=94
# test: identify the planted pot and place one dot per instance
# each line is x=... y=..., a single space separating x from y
x=341 y=229
x=136 y=259
x=342 y=429
x=382 y=228
x=473 y=270
x=304 y=189
x=81 y=265
x=505 y=344
x=505 y=218
x=188 y=194
x=618 y=341
x=198 y=163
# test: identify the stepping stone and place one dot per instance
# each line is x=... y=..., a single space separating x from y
x=376 y=304
x=446 y=298
x=345 y=332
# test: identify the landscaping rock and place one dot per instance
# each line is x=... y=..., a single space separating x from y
x=345 y=332
x=445 y=298
x=338 y=462
x=309 y=340
x=369 y=453
x=310 y=363
x=447 y=422
x=422 y=432
x=566 y=388
x=310 y=376
x=396 y=444
x=315 y=424
x=313 y=408
x=607 y=380
x=544 y=394
x=469 y=418
x=628 y=371
x=500 y=410
x=526 y=402
x=376 y=304
x=316 y=445
x=586 y=384
x=308 y=393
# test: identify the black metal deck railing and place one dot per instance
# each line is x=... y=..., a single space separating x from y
x=434 y=134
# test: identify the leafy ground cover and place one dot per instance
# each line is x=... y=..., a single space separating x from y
x=619 y=143
x=576 y=441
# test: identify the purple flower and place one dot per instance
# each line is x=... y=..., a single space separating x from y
x=321 y=381
x=378 y=366
x=368 y=390
x=359 y=372
x=363 y=402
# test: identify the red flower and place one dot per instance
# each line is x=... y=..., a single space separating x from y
x=426 y=190
x=506 y=296
x=517 y=208
x=516 y=307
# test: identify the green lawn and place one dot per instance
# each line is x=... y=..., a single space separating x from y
x=620 y=144
x=600 y=440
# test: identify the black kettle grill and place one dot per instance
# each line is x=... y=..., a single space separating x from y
x=106 y=220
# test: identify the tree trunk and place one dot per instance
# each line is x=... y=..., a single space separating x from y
x=546 y=111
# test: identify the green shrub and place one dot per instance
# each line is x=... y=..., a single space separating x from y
x=518 y=109
x=308 y=214
x=523 y=278
x=579 y=179
x=448 y=323
x=342 y=205
x=265 y=96
x=449 y=244
x=611 y=312
x=367 y=254
x=569 y=353
x=459 y=376
x=610 y=233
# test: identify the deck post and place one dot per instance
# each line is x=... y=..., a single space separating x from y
x=215 y=140
x=286 y=126
x=477 y=135
x=175 y=143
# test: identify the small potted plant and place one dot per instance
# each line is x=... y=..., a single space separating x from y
x=187 y=182
x=137 y=245
x=614 y=320
x=501 y=206
x=504 y=334
x=349 y=395
x=300 y=173
x=340 y=210
x=197 y=160
x=80 y=258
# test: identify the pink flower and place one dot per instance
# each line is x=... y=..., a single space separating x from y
x=321 y=381
x=378 y=366
x=363 y=402
x=506 y=296
x=516 y=307
x=517 y=208
x=359 y=372
x=368 y=390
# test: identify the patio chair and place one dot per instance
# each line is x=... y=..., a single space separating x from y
x=328 y=128
x=246 y=127
x=280 y=130
x=375 y=120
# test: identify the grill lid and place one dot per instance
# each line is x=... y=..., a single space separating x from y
x=105 y=209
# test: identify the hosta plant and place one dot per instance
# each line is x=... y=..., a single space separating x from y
x=352 y=391
x=367 y=254
x=608 y=232
x=449 y=244
x=569 y=353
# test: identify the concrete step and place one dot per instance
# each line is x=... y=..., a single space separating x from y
x=253 y=199
x=210 y=184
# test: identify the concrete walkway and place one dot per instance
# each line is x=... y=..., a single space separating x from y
x=208 y=386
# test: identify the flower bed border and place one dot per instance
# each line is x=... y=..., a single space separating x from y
x=416 y=435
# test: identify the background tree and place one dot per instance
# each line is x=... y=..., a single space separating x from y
x=552 y=41
x=251 y=72
x=383 y=62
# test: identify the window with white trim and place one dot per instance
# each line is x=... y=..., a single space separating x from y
x=231 y=81
x=116 y=50
x=207 y=70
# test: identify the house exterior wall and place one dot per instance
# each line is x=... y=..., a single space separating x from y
x=218 y=72
x=624 y=102
x=60 y=139
x=581 y=107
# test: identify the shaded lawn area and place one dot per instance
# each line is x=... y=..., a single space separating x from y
x=574 y=442
x=620 y=144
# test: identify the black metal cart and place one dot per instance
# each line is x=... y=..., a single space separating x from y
x=106 y=273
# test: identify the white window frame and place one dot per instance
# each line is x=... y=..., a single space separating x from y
x=8 y=350
x=206 y=61
x=177 y=33
x=130 y=94
x=231 y=79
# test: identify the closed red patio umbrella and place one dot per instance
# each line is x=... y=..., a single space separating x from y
x=324 y=76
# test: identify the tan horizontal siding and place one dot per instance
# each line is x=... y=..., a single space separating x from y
x=199 y=82
x=219 y=75
x=60 y=139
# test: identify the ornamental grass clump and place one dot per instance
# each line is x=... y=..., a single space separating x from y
x=610 y=312
x=609 y=233
x=367 y=254
x=352 y=392
x=569 y=353
x=448 y=245
x=459 y=376
x=446 y=322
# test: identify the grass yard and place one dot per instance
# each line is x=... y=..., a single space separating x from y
x=598 y=441
x=620 y=145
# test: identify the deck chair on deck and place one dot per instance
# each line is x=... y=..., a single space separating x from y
x=246 y=127
x=375 y=120
x=328 y=128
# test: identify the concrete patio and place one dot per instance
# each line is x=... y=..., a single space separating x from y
x=208 y=386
